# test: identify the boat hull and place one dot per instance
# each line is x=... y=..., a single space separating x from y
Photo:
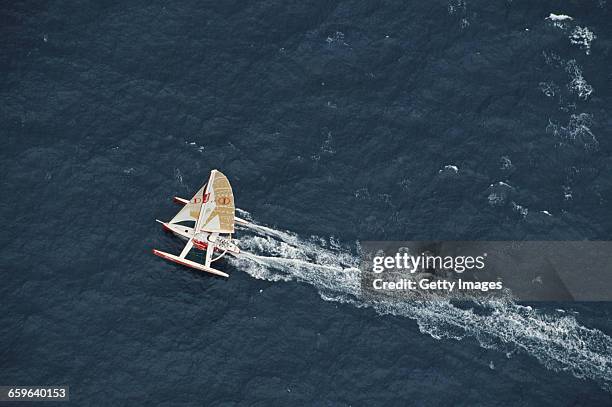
x=188 y=263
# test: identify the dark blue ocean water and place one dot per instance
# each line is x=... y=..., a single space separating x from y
x=338 y=121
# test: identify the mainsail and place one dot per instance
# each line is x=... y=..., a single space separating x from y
x=217 y=211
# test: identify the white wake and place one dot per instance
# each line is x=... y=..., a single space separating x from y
x=556 y=339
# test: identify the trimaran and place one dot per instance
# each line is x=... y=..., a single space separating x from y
x=213 y=211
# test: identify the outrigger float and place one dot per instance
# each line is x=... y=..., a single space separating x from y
x=213 y=211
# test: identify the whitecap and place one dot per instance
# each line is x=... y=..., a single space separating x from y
x=558 y=17
x=520 y=209
x=582 y=37
x=577 y=84
x=453 y=169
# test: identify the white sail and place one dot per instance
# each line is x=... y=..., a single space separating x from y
x=191 y=210
x=218 y=211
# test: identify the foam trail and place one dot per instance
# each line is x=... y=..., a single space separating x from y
x=266 y=231
x=559 y=342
